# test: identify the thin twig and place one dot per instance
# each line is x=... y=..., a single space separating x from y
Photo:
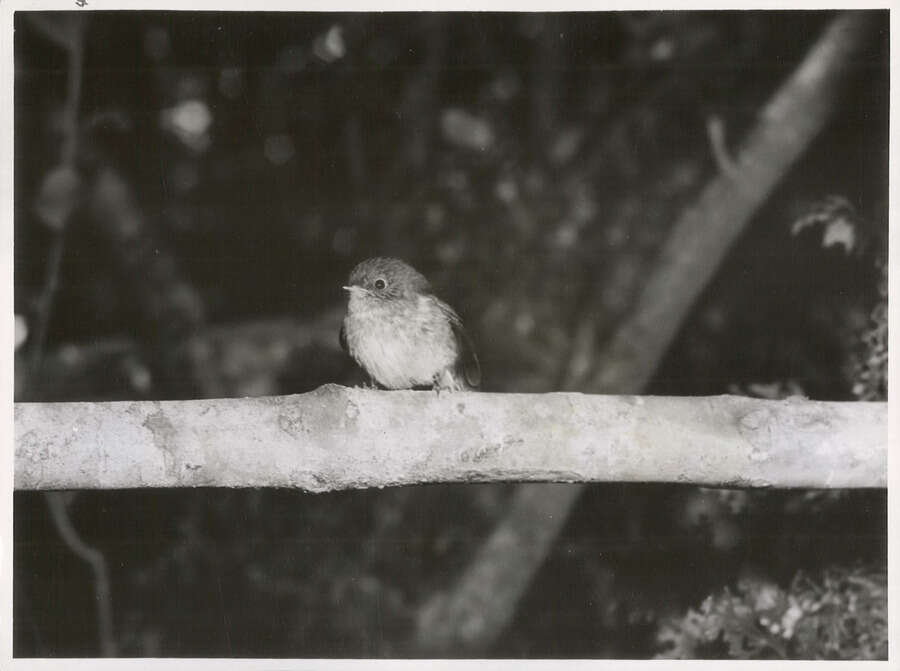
x=45 y=303
x=73 y=97
x=50 y=29
x=73 y=42
x=71 y=38
x=715 y=130
x=95 y=559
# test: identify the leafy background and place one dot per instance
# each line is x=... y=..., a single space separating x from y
x=224 y=173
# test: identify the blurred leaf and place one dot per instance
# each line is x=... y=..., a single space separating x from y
x=189 y=120
x=838 y=219
x=566 y=145
x=279 y=148
x=840 y=232
x=466 y=130
x=58 y=197
x=839 y=614
x=330 y=47
x=21 y=331
x=870 y=361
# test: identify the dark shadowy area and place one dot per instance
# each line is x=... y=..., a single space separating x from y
x=187 y=214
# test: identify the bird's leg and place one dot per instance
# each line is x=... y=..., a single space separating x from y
x=436 y=384
x=445 y=381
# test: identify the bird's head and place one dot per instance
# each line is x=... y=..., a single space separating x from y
x=386 y=279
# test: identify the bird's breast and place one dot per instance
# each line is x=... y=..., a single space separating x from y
x=401 y=343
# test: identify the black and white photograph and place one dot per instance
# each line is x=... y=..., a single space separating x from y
x=449 y=335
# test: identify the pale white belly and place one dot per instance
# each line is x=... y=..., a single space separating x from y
x=401 y=346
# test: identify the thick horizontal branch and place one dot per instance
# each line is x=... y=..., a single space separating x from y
x=349 y=438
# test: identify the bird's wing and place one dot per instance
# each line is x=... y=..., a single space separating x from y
x=342 y=338
x=468 y=364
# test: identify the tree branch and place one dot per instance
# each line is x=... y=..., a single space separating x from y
x=699 y=241
x=349 y=438
x=57 y=213
x=704 y=232
x=59 y=511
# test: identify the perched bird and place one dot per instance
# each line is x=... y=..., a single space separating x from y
x=401 y=334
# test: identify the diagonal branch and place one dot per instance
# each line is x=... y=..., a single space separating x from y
x=459 y=622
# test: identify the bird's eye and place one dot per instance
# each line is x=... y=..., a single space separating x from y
x=380 y=284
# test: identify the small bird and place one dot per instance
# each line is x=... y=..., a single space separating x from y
x=403 y=335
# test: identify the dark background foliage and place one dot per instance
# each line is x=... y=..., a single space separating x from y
x=233 y=168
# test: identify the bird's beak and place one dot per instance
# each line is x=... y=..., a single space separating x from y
x=354 y=288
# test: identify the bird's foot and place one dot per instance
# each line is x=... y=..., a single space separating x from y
x=445 y=381
x=437 y=384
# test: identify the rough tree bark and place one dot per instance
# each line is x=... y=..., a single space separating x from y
x=340 y=438
x=462 y=621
